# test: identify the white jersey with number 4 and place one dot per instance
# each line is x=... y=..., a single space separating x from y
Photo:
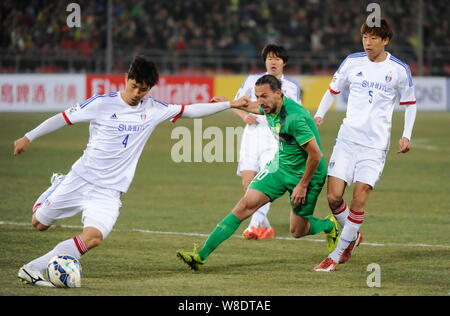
x=118 y=133
x=375 y=89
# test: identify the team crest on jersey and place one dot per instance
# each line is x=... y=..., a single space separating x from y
x=143 y=117
x=278 y=128
x=331 y=165
x=389 y=77
x=73 y=109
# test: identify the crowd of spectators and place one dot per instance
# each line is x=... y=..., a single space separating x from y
x=236 y=29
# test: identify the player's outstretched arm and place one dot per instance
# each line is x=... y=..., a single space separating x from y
x=52 y=124
x=325 y=105
x=243 y=103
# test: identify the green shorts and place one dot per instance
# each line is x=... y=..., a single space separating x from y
x=275 y=184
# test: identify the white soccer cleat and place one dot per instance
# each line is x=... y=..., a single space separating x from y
x=55 y=177
x=32 y=277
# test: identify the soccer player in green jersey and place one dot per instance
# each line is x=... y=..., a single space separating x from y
x=298 y=167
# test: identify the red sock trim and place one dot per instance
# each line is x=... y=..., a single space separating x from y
x=340 y=209
x=80 y=245
x=35 y=208
x=356 y=217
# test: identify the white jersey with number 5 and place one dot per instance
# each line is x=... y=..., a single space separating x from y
x=118 y=133
x=375 y=89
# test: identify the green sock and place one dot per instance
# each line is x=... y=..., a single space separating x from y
x=319 y=225
x=222 y=232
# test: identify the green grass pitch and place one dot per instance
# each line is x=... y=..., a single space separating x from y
x=406 y=228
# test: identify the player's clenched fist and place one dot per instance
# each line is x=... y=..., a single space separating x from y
x=240 y=103
x=21 y=145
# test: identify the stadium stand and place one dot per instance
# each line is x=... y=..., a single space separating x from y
x=191 y=36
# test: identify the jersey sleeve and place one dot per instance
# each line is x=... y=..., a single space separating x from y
x=174 y=112
x=406 y=88
x=339 y=81
x=245 y=89
x=82 y=112
x=300 y=130
x=294 y=92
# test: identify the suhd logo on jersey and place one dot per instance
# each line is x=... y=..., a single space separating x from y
x=374 y=85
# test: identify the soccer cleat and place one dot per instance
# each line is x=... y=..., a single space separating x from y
x=348 y=251
x=192 y=259
x=28 y=276
x=56 y=177
x=251 y=233
x=327 y=265
x=265 y=232
x=333 y=235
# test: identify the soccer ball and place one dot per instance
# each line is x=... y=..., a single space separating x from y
x=64 y=271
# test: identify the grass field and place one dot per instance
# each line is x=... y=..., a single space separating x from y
x=406 y=227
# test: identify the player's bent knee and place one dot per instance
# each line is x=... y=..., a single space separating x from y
x=334 y=200
x=297 y=234
x=36 y=224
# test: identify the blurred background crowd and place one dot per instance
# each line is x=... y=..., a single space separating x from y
x=221 y=36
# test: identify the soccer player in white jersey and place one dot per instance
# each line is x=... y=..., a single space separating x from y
x=258 y=144
x=377 y=82
x=120 y=125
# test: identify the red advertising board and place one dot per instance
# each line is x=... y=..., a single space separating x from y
x=40 y=92
x=170 y=89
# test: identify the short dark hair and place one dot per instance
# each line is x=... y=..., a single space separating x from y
x=143 y=71
x=278 y=51
x=384 y=30
x=273 y=82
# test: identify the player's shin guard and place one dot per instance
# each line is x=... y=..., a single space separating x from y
x=222 y=232
x=73 y=246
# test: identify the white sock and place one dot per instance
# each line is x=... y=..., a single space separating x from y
x=73 y=246
x=349 y=233
x=259 y=219
x=341 y=213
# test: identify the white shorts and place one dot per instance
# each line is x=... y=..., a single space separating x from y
x=72 y=195
x=352 y=163
x=258 y=146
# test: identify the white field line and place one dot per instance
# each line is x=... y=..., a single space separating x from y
x=156 y=232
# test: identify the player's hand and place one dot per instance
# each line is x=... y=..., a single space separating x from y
x=319 y=121
x=250 y=119
x=240 y=103
x=403 y=146
x=218 y=99
x=298 y=196
x=21 y=145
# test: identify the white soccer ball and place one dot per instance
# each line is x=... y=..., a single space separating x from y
x=64 y=271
